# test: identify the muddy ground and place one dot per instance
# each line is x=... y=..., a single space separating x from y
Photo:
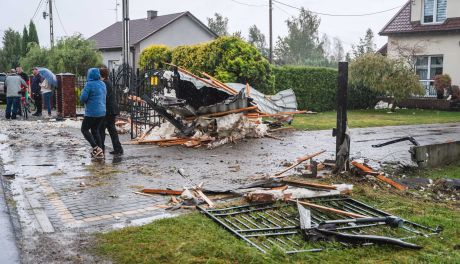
x=60 y=197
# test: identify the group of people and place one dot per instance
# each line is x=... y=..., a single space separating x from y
x=101 y=108
x=16 y=85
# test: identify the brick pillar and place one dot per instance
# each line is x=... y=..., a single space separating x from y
x=66 y=97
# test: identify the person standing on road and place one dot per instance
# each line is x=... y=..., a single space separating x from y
x=13 y=84
x=36 y=91
x=25 y=77
x=47 y=93
x=112 y=111
x=93 y=96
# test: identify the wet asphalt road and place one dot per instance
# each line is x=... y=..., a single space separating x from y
x=9 y=253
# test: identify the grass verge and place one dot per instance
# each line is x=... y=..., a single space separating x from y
x=375 y=118
x=194 y=238
x=451 y=171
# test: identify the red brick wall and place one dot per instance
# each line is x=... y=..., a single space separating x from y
x=66 y=97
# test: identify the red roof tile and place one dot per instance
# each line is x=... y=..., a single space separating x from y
x=401 y=24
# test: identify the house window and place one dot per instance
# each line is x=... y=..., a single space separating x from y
x=434 y=11
x=113 y=64
x=427 y=67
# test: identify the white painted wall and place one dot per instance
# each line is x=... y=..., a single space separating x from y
x=446 y=45
x=111 y=55
x=453 y=9
x=183 y=31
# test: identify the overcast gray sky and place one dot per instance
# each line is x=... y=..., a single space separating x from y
x=90 y=16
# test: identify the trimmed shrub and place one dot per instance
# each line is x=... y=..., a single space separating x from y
x=229 y=59
x=154 y=55
x=314 y=87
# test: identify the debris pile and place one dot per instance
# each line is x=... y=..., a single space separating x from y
x=204 y=111
x=298 y=226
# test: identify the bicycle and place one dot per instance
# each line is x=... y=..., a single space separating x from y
x=28 y=104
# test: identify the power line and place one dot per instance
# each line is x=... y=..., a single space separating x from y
x=36 y=10
x=246 y=4
x=59 y=17
x=340 y=15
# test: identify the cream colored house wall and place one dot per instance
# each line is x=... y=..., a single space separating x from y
x=453 y=9
x=446 y=45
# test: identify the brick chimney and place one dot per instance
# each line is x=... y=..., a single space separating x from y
x=152 y=14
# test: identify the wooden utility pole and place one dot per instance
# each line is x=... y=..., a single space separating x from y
x=270 y=7
x=51 y=23
x=342 y=120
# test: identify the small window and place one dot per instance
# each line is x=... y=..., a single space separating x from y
x=434 y=11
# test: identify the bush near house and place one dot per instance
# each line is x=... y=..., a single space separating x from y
x=381 y=74
x=229 y=59
x=153 y=56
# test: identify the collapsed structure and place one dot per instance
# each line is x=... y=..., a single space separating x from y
x=201 y=111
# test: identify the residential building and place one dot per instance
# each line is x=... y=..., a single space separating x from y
x=426 y=33
x=171 y=30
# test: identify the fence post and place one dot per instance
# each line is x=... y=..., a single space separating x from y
x=66 y=97
x=342 y=150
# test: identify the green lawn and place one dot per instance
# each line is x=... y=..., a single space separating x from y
x=375 y=118
x=451 y=171
x=193 y=238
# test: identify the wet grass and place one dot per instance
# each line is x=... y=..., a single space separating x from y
x=451 y=171
x=375 y=118
x=194 y=238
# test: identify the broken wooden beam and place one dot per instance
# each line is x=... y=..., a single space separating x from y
x=329 y=209
x=162 y=191
x=309 y=184
x=205 y=198
x=378 y=175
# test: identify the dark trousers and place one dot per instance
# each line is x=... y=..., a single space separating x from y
x=109 y=124
x=38 y=102
x=12 y=102
x=92 y=124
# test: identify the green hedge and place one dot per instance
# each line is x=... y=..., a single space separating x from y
x=315 y=87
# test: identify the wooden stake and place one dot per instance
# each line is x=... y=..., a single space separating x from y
x=379 y=176
x=163 y=192
x=309 y=184
x=205 y=198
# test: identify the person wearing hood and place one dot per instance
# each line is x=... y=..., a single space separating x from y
x=94 y=97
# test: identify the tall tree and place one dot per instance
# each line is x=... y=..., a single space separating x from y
x=11 y=48
x=33 y=36
x=257 y=39
x=238 y=34
x=302 y=45
x=338 y=52
x=218 y=24
x=74 y=54
x=24 y=41
x=366 y=44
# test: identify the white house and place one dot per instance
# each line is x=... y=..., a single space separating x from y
x=171 y=30
x=427 y=34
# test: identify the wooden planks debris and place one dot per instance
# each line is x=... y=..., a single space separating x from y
x=378 y=175
x=329 y=209
x=300 y=161
x=309 y=184
x=162 y=191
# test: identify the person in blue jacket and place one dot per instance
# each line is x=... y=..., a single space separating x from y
x=94 y=98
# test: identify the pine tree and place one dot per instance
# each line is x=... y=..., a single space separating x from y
x=24 y=41
x=33 y=36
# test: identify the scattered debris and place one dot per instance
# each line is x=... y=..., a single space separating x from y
x=206 y=112
x=379 y=175
x=410 y=139
x=295 y=229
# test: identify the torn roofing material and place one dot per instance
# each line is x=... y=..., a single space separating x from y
x=284 y=101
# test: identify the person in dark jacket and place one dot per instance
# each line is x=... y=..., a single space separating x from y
x=36 y=91
x=112 y=111
x=93 y=96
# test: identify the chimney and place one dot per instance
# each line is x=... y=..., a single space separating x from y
x=152 y=14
